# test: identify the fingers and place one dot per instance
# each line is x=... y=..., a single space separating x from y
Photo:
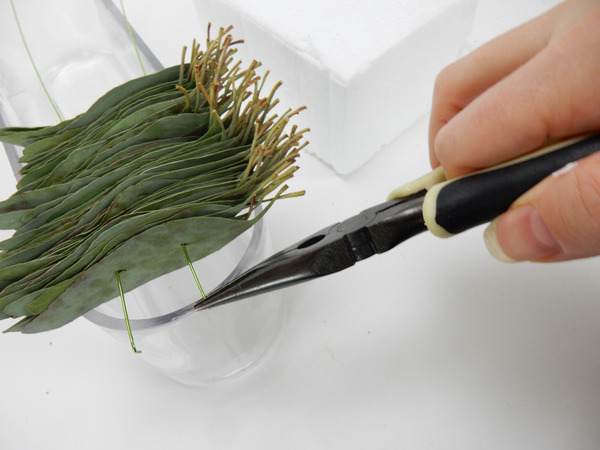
x=537 y=83
x=463 y=81
x=551 y=94
x=557 y=220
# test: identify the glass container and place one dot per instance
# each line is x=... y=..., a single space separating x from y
x=199 y=348
x=81 y=49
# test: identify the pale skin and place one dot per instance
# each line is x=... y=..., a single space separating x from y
x=534 y=85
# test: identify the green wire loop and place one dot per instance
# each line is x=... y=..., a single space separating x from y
x=187 y=257
x=135 y=350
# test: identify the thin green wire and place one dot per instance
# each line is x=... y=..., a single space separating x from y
x=33 y=63
x=135 y=350
x=187 y=257
x=132 y=38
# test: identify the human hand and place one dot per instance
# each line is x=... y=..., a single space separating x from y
x=536 y=84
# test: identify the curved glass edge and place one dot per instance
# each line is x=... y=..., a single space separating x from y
x=98 y=318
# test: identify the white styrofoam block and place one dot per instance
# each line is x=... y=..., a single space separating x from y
x=365 y=70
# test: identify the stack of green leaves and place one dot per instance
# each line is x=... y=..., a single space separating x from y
x=181 y=156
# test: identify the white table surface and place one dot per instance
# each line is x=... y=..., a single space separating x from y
x=433 y=345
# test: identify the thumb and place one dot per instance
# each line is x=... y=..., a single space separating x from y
x=557 y=220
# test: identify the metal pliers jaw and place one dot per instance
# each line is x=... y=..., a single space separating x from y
x=332 y=249
x=444 y=207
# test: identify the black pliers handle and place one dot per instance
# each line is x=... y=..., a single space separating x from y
x=444 y=207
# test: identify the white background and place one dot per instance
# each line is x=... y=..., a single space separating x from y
x=433 y=345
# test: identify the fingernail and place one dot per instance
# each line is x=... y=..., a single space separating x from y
x=491 y=242
x=520 y=235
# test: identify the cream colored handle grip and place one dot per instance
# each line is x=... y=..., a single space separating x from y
x=451 y=207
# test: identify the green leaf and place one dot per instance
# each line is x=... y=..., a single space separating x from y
x=177 y=157
x=141 y=259
x=18 y=271
x=12 y=220
x=19 y=326
x=45 y=145
x=25 y=136
x=42 y=302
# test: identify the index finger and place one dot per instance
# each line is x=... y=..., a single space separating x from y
x=463 y=81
